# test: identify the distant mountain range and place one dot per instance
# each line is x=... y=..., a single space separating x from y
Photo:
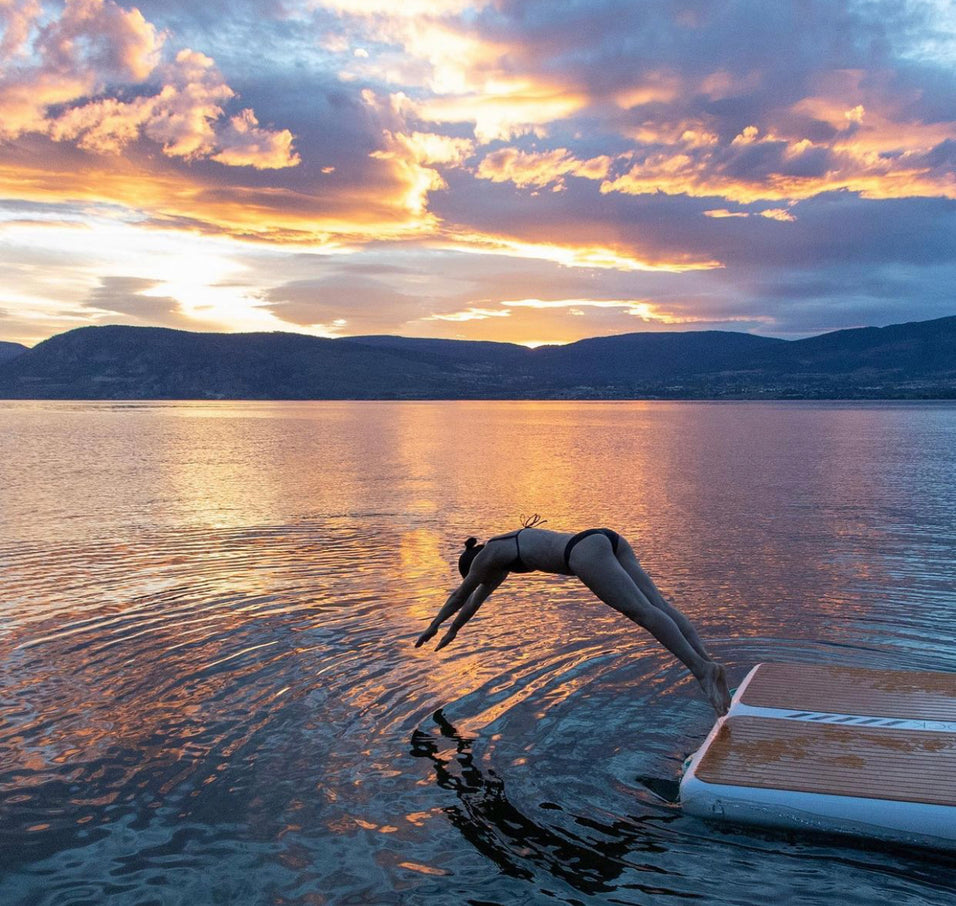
x=915 y=360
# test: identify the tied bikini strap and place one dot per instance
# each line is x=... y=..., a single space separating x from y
x=526 y=522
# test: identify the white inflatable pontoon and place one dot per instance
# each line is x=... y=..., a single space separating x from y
x=837 y=749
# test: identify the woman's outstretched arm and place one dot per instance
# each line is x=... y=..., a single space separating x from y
x=475 y=600
x=454 y=603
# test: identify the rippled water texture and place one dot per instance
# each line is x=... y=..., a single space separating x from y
x=210 y=694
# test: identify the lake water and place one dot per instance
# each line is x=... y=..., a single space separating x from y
x=209 y=691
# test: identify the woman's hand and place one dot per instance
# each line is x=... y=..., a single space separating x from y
x=425 y=636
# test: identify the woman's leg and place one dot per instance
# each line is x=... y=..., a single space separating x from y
x=632 y=566
x=594 y=563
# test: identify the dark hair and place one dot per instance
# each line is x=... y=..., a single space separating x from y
x=472 y=547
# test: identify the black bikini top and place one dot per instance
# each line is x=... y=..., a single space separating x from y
x=518 y=565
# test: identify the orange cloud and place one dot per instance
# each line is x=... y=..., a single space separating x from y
x=689 y=134
x=874 y=147
x=639 y=308
x=95 y=44
x=101 y=39
x=461 y=74
x=505 y=109
x=533 y=322
x=866 y=128
x=654 y=87
x=470 y=314
x=410 y=156
x=245 y=144
x=570 y=254
x=422 y=45
x=526 y=169
x=23 y=102
x=375 y=209
x=72 y=57
x=388 y=203
x=781 y=214
x=887 y=162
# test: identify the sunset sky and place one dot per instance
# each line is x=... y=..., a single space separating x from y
x=523 y=171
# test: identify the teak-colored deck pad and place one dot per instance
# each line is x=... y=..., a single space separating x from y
x=801 y=756
x=906 y=695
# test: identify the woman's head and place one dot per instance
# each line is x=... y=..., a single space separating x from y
x=472 y=547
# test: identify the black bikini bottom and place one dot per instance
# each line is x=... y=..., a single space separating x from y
x=611 y=536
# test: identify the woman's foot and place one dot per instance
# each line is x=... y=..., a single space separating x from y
x=714 y=683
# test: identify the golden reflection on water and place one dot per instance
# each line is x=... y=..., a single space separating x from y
x=201 y=597
x=697 y=494
x=419 y=552
x=696 y=502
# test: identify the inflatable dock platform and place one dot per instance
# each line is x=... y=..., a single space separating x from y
x=837 y=749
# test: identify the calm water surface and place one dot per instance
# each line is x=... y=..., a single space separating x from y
x=209 y=694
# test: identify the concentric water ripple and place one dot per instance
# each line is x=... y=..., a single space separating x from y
x=222 y=703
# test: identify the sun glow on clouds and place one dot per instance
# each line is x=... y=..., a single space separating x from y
x=572 y=256
x=451 y=74
x=414 y=156
x=648 y=313
x=603 y=149
x=535 y=322
x=470 y=314
x=781 y=214
x=538 y=170
x=878 y=164
x=642 y=310
x=125 y=274
x=504 y=110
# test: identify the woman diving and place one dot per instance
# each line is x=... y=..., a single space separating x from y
x=606 y=564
